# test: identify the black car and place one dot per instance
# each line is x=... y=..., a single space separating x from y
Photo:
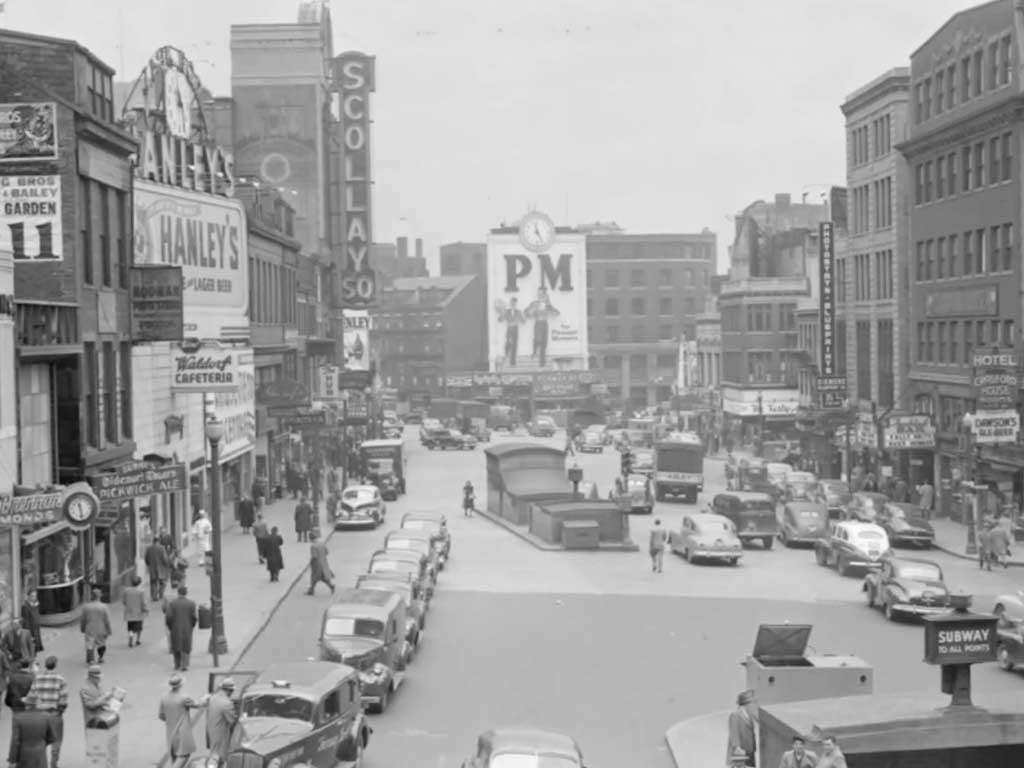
x=905 y=525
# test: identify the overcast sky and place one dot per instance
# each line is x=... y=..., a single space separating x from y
x=662 y=115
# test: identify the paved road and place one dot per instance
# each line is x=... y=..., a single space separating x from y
x=595 y=644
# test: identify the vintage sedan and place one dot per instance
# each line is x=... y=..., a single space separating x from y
x=298 y=712
x=835 y=495
x=361 y=507
x=706 y=536
x=450 y=439
x=525 y=748
x=799 y=486
x=865 y=506
x=542 y=426
x=591 y=442
x=643 y=461
x=415 y=606
x=852 y=545
x=905 y=587
x=637 y=491
x=403 y=561
x=420 y=542
x=777 y=472
x=905 y=525
x=1009 y=609
x=803 y=522
x=436 y=524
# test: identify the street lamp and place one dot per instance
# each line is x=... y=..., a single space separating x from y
x=218 y=640
x=848 y=410
x=967 y=420
x=575 y=477
x=760 y=426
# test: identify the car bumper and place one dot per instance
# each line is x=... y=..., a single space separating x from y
x=858 y=562
x=803 y=538
x=756 y=535
x=591 y=449
x=921 y=610
x=342 y=523
x=718 y=554
x=912 y=538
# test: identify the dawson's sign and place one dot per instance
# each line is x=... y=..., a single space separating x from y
x=354 y=80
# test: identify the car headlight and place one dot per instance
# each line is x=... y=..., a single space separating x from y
x=275 y=763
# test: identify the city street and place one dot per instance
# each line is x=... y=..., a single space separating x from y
x=595 y=644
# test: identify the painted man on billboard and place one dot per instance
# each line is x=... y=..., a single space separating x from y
x=512 y=316
x=540 y=311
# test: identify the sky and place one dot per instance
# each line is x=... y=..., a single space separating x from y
x=660 y=115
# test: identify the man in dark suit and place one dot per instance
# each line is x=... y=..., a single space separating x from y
x=181 y=622
x=31 y=733
x=158 y=565
x=19 y=685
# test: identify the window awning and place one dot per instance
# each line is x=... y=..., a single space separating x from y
x=47 y=530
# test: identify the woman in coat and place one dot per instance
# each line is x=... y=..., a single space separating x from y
x=272 y=553
x=30 y=618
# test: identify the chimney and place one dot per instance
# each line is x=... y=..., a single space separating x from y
x=403 y=248
x=782 y=200
x=419 y=247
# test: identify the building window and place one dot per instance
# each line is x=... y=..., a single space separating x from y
x=689 y=306
x=1005 y=61
x=993 y=66
x=929 y=246
x=636 y=278
x=918 y=103
x=954 y=342
x=953 y=243
x=979 y=165
x=1008 y=339
x=1007 y=155
x=965 y=79
x=105 y=255
x=665 y=277
x=979 y=251
x=883 y=274
x=863 y=341
x=787 y=317
x=951 y=86
x=965 y=166
x=124 y=388
x=840 y=347
x=665 y=333
x=638 y=334
x=1008 y=247
x=968 y=341
x=940 y=342
x=919 y=261
x=886 y=364
x=918 y=184
x=927 y=98
x=638 y=364
x=940 y=92
x=85 y=228
x=968 y=260
x=110 y=393
x=840 y=277
x=611 y=278
x=665 y=305
x=977 y=73
x=90 y=387
x=759 y=367
x=883 y=203
x=687 y=278
x=638 y=306
x=759 y=318
x=920 y=342
x=995 y=168
x=928 y=182
x=940 y=178
x=611 y=307
x=940 y=258
x=951 y=174
x=861 y=277
x=123 y=234
x=612 y=332
x=994 y=238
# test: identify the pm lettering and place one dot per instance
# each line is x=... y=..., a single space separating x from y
x=553 y=276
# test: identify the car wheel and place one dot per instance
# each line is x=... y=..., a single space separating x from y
x=841 y=566
x=871 y=596
x=819 y=556
x=890 y=615
x=734 y=561
x=768 y=541
x=689 y=557
x=383 y=705
x=1003 y=658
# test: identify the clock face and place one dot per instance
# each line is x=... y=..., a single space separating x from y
x=80 y=508
x=536 y=232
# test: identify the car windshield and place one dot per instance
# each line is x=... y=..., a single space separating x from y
x=869 y=535
x=276 y=705
x=811 y=514
x=714 y=527
x=778 y=469
x=547 y=421
x=402 y=589
x=407 y=545
x=756 y=506
x=519 y=760
x=837 y=491
x=392 y=566
x=918 y=572
x=348 y=626
x=420 y=525
x=358 y=494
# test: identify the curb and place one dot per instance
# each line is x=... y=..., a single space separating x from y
x=972 y=558
x=543 y=546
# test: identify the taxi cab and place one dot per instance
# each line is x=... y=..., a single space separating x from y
x=852 y=545
x=637 y=492
x=304 y=712
x=361 y=507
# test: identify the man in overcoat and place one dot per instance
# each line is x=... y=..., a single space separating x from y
x=319 y=568
x=181 y=622
x=31 y=733
x=246 y=513
x=303 y=519
x=176 y=713
x=221 y=717
x=95 y=626
x=158 y=566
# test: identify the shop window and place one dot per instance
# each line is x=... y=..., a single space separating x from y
x=54 y=567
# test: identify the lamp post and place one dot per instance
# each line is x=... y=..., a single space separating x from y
x=849 y=446
x=218 y=640
x=760 y=426
x=967 y=420
x=575 y=477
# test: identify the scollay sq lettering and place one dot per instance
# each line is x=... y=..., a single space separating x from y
x=358 y=283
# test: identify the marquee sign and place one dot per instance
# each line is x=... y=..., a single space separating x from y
x=831 y=397
x=354 y=75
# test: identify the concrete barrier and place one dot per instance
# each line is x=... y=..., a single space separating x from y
x=699 y=742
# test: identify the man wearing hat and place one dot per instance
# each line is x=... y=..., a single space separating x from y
x=319 y=568
x=49 y=694
x=175 y=712
x=31 y=733
x=220 y=720
x=94 y=699
x=742 y=729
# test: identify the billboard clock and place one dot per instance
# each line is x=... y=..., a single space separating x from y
x=537 y=232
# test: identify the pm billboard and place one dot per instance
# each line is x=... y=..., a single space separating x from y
x=206 y=236
x=537 y=303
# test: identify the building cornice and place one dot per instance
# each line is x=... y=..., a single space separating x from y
x=998 y=115
x=894 y=81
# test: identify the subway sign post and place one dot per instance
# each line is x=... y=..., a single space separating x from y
x=957 y=640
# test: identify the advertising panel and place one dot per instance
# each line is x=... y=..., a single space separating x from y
x=996 y=379
x=205 y=236
x=909 y=432
x=209 y=369
x=31 y=227
x=138 y=480
x=28 y=131
x=356 y=339
x=538 y=303
x=237 y=408
x=157 y=310
x=354 y=79
x=994 y=427
x=830 y=398
x=960 y=639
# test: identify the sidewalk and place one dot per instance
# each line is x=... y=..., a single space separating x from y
x=951 y=538
x=249 y=602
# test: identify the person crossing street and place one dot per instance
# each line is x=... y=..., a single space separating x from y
x=319 y=568
x=659 y=537
x=468 y=499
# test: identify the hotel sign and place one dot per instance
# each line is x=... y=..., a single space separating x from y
x=354 y=75
x=995 y=379
x=963 y=302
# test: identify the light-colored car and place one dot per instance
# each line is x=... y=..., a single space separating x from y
x=638 y=491
x=643 y=461
x=525 y=748
x=706 y=536
x=361 y=506
x=1009 y=609
x=852 y=545
x=777 y=473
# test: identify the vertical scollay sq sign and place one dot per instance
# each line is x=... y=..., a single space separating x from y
x=537 y=304
x=354 y=80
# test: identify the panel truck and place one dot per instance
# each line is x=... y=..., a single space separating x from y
x=679 y=467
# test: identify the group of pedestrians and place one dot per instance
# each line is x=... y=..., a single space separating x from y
x=741 y=746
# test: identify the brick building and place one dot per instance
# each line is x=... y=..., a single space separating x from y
x=644 y=293
x=462 y=259
x=72 y=325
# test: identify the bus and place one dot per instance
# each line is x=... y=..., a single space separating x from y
x=679 y=467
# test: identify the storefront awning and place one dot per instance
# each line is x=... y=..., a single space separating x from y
x=42 y=533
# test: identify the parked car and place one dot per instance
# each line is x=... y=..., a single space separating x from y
x=904 y=587
x=392 y=561
x=436 y=525
x=777 y=473
x=852 y=545
x=430 y=429
x=1009 y=609
x=525 y=748
x=298 y=707
x=865 y=506
x=639 y=492
x=445 y=439
x=753 y=514
x=542 y=426
x=835 y=495
x=415 y=608
x=643 y=461
x=799 y=486
x=591 y=442
x=706 y=536
x=413 y=417
x=803 y=522
x=904 y=525
x=420 y=542
x=362 y=506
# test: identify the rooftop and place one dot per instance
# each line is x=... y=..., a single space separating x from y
x=432 y=292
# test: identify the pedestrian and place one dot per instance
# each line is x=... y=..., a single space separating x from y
x=246 y=514
x=303 y=519
x=136 y=608
x=319 y=568
x=926 y=499
x=202 y=530
x=17 y=644
x=30 y=619
x=899 y=493
x=49 y=694
x=165 y=540
x=175 y=712
x=181 y=618
x=94 y=699
x=95 y=626
x=657 y=546
x=831 y=755
x=742 y=729
x=158 y=567
x=985 y=553
x=332 y=506
x=468 y=499
x=31 y=733
x=220 y=721
x=179 y=570
x=272 y=553
x=999 y=543
x=870 y=484
x=260 y=532
x=18 y=686
x=797 y=755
